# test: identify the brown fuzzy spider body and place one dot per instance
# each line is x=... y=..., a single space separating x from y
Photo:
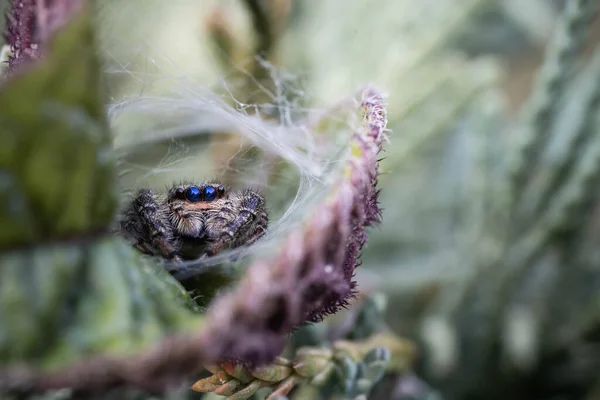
x=193 y=221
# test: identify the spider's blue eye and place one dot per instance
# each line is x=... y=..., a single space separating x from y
x=210 y=193
x=193 y=194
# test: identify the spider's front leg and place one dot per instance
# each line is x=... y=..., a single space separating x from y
x=145 y=222
x=241 y=221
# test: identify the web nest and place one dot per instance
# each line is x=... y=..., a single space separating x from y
x=318 y=169
x=252 y=128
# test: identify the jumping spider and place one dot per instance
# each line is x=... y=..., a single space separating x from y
x=193 y=221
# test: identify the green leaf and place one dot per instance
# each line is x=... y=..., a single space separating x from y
x=59 y=303
x=68 y=289
x=56 y=165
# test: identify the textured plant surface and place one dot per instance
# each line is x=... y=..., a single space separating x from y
x=347 y=357
x=360 y=365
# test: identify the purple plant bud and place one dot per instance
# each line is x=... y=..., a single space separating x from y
x=21 y=31
x=29 y=23
x=312 y=275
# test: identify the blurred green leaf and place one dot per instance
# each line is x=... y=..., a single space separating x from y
x=60 y=303
x=67 y=292
x=56 y=166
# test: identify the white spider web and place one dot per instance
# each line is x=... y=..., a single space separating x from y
x=169 y=124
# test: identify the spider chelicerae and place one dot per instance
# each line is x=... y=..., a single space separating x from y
x=193 y=221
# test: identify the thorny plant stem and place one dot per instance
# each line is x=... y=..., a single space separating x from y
x=29 y=23
x=21 y=31
x=310 y=277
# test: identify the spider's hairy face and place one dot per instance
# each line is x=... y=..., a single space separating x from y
x=189 y=205
x=193 y=221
